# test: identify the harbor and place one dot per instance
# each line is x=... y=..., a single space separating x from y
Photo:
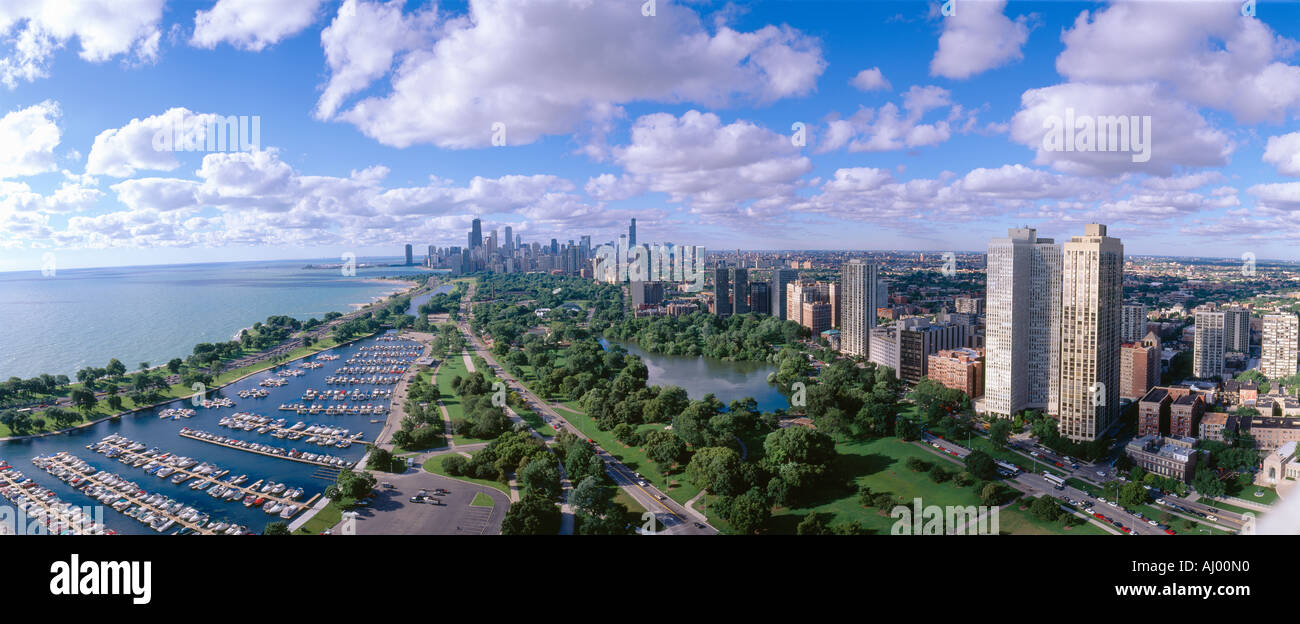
x=44 y=506
x=160 y=426
x=278 y=453
x=167 y=465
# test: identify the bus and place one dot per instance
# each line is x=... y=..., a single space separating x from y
x=1057 y=482
x=1007 y=469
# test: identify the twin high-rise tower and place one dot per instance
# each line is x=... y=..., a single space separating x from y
x=1052 y=338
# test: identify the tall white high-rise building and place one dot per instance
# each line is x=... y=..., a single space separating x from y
x=1279 y=345
x=1023 y=307
x=1134 y=322
x=1208 y=342
x=1236 y=329
x=858 y=283
x=1086 y=395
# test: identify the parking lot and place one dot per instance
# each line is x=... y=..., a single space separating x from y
x=391 y=511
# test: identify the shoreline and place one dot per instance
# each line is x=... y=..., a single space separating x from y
x=134 y=410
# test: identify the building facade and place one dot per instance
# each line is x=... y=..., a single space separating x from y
x=1092 y=294
x=1279 y=345
x=858 y=281
x=1209 y=343
x=1023 y=304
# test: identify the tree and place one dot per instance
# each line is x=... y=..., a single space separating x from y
x=665 y=448
x=716 y=469
x=276 y=528
x=380 y=459
x=591 y=496
x=1000 y=432
x=1207 y=482
x=800 y=445
x=541 y=477
x=532 y=515
x=174 y=366
x=84 y=400
x=749 y=512
x=814 y=524
x=1045 y=508
x=1132 y=494
x=981 y=465
x=990 y=494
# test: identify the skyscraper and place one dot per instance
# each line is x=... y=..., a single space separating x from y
x=1134 y=322
x=476 y=233
x=721 y=290
x=740 y=287
x=410 y=258
x=1281 y=333
x=1092 y=298
x=631 y=234
x=1236 y=329
x=781 y=278
x=1209 y=341
x=858 y=291
x=1023 y=304
x=509 y=242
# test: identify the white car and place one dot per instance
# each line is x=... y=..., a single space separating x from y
x=1161 y=501
x=1112 y=503
x=641 y=483
x=1100 y=473
x=1211 y=518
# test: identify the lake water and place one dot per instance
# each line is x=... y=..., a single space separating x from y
x=729 y=381
x=419 y=300
x=84 y=317
x=147 y=428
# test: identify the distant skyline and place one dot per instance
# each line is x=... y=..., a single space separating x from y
x=768 y=125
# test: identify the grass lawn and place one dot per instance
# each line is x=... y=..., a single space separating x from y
x=878 y=464
x=481 y=500
x=434 y=465
x=1248 y=493
x=1014 y=521
x=1079 y=484
x=327 y=517
x=451 y=368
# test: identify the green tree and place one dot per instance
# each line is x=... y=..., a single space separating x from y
x=276 y=528
x=1045 y=508
x=532 y=515
x=1000 y=432
x=981 y=465
x=716 y=469
x=749 y=512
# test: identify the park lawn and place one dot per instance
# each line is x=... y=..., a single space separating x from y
x=481 y=500
x=1248 y=493
x=878 y=464
x=451 y=368
x=327 y=517
x=1013 y=521
x=434 y=465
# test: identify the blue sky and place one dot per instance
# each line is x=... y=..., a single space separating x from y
x=922 y=131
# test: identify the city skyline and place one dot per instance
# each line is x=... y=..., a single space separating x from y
x=792 y=131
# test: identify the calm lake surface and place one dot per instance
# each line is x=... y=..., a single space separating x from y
x=83 y=317
x=729 y=381
x=147 y=428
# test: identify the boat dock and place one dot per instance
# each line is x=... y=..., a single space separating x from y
x=242 y=422
x=6 y=480
x=244 y=490
x=99 y=479
x=193 y=435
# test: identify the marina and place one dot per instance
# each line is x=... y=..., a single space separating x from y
x=155 y=511
x=328 y=461
x=162 y=464
x=42 y=505
x=154 y=429
x=320 y=435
